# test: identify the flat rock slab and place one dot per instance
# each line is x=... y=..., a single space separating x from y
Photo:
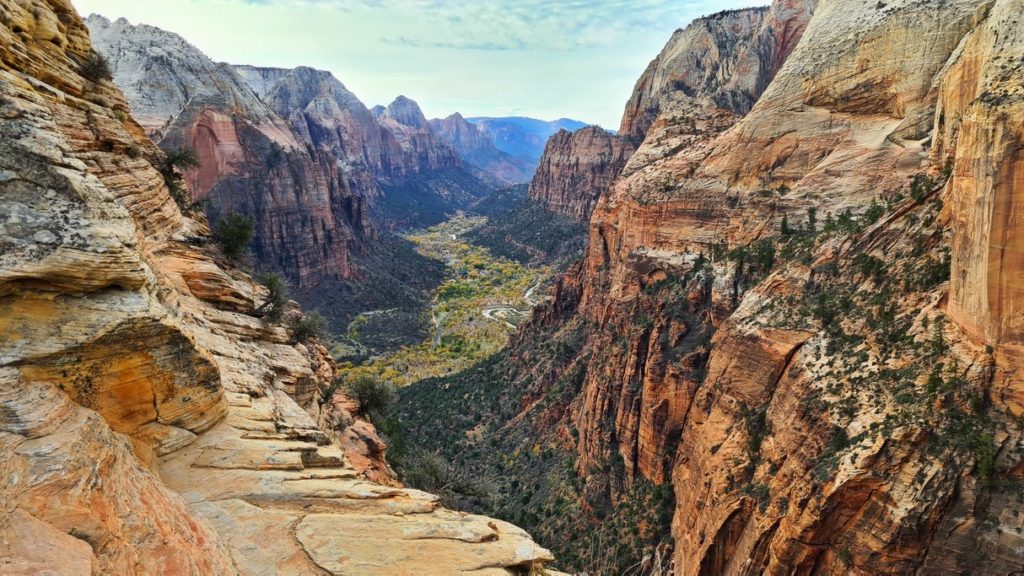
x=441 y=543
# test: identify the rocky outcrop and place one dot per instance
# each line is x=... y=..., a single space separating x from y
x=308 y=218
x=746 y=381
x=724 y=60
x=327 y=116
x=150 y=422
x=404 y=119
x=707 y=76
x=477 y=149
x=797 y=304
x=576 y=168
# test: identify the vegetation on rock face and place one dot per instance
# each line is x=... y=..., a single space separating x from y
x=485 y=443
x=233 y=234
x=272 y=307
x=497 y=438
x=311 y=325
x=372 y=395
x=174 y=163
x=96 y=67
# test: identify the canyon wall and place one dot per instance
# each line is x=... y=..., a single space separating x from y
x=576 y=168
x=779 y=383
x=707 y=76
x=307 y=216
x=151 y=422
x=294 y=149
x=800 y=301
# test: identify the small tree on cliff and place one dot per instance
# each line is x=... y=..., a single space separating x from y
x=233 y=234
x=309 y=326
x=175 y=162
x=373 y=395
x=277 y=295
x=178 y=160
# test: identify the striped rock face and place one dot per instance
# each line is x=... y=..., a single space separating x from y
x=150 y=422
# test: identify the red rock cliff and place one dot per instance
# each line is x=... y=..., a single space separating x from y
x=576 y=168
x=151 y=423
x=307 y=215
x=804 y=304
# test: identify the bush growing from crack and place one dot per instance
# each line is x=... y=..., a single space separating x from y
x=233 y=234
x=273 y=307
x=96 y=67
x=174 y=163
x=309 y=326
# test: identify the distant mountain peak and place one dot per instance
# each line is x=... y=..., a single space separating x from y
x=407 y=112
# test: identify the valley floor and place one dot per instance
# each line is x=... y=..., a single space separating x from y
x=481 y=302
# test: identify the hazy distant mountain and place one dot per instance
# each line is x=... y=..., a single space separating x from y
x=521 y=136
x=477 y=148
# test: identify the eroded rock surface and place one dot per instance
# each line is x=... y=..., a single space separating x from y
x=800 y=303
x=151 y=423
x=576 y=168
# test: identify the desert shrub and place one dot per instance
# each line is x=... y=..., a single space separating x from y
x=309 y=326
x=427 y=471
x=273 y=307
x=95 y=67
x=371 y=394
x=233 y=234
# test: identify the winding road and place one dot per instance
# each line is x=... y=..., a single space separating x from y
x=494 y=312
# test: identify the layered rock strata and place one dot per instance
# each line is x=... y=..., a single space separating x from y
x=803 y=301
x=151 y=423
x=707 y=76
x=576 y=168
x=308 y=217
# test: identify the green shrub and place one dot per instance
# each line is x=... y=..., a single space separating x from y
x=96 y=67
x=371 y=394
x=233 y=234
x=309 y=326
x=173 y=164
x=178 y=160
x=273 y=307
x=755 y=420
x=870 y=267
x=427 y=471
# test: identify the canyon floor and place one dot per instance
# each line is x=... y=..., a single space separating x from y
x=481 y=301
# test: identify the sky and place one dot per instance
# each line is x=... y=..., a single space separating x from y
x=540 y=58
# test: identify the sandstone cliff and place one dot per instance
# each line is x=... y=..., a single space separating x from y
x=307 y=216
x=576 y=168
x=327 y=116
x=151 y=424
x=294 y=149
x=785 y=387
x=476 y=148
x=707 y=76
x=801 y=301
